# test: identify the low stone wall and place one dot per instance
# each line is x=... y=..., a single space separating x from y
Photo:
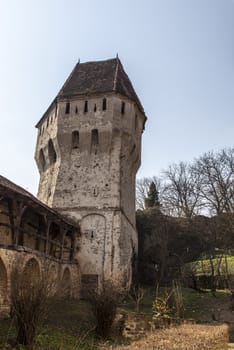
x=65 y=276
x=136 y=325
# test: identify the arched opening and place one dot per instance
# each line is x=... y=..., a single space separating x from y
x=3 y=288
x=42 y=159
x=51 y=152
x=66 y=283
x=75 y=139
x=104 y=104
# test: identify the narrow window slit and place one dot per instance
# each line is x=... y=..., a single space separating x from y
x=86 y=107
x=104 y=104
x=75 y=139
x=67 y=108
x=123 y=108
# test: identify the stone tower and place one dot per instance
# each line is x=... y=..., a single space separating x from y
x=88 y=152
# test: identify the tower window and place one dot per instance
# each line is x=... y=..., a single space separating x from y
x=123 y=108
x=42 y=159
x=86 y=107
x=94 y=138
x=76 y=110
x=104 y=104
x=51 y=152
x=75 y=139
x=95 y=108
x=67 y=108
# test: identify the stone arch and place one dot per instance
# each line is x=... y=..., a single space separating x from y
x=66 y=283
x=3 y=288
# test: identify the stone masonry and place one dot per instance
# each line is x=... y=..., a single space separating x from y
x=88 y=152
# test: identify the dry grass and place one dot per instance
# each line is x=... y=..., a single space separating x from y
x=185 y=337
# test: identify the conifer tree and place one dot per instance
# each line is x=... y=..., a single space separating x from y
x=152 y=199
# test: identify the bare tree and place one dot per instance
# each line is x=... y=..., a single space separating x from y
x=137 y=293
x=216 y=171
x=104 y=307
x=181 y=196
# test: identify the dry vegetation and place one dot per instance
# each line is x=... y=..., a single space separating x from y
x=185 y=337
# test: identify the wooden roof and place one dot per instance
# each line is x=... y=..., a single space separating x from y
x=8 y=187
x=99 y=77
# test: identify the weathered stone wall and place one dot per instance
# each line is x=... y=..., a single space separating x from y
x=66 y=277
x=29 y=231
x=93 y=177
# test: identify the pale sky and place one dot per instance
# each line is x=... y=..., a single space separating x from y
x=179 y=55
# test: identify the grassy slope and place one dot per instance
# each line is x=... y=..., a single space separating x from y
x=203 y=266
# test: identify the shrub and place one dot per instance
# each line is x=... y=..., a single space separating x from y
x=104 y=307
x=170 y=303
x=137 y=293
x=29 y=303
x=162 y=305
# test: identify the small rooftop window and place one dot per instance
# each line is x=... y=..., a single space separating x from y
x=86 y=107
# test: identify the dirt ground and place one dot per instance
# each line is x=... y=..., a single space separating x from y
x=185 y=337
